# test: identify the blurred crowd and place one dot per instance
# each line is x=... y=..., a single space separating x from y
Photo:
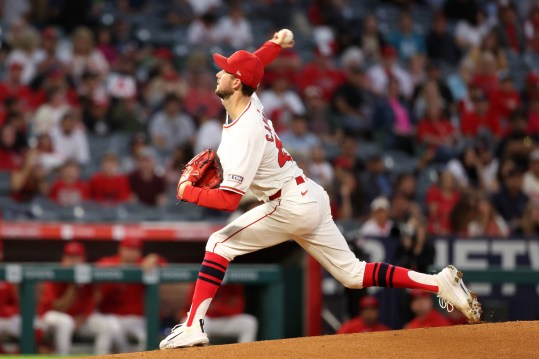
x=424 y=118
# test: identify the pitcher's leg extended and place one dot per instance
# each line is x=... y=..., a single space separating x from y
x=327 y=245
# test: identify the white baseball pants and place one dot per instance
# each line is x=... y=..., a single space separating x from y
x=303 y=214
x=105 y=329
x=11 y=326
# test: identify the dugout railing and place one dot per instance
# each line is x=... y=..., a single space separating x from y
x=270 y=282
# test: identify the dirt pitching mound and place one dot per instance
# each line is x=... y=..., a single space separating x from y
x=500 y=340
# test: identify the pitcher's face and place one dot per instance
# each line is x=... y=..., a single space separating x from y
x=224 y=84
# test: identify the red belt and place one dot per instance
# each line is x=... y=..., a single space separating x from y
x=299 y=180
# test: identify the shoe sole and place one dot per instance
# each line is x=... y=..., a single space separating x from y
x=474 y=309
x=200 y=341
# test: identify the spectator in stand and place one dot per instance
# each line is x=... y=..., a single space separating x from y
x=482 y=118
x=174 y=164
x=26 y=52
x=200 y=95
x=166 y=83
x=469 y=34
x=320 y=72
x=459 y=82
x=68 y=189
x=10 y=321
x=226 y=317
x=509 y=29
x=381 y=73
x=486 y=75
x=180 y=13
x=281 y=102
x=367 y=320
x=487 y=222
x=533 y=117
x=109 y=186
x=371 y=39
x=510 y=201
x=128 y=115
x=530 y=90
x=30 y=179
x=406 y=40
x=392 y=119
x=531 y=29
x=379 y=224
x=68 y=308
x=12 y=86
x=426 y=316
x=320 y=170
x=505 y=99
x=441 y=199
x=433 y=79
x=489 y=45
x=530 y=221
x=18 y=122
x=94 y=105
x=10 y=157
x=298 y=139
x=465 y=169
x=517 y=144
x=125 y=301
x=234 y=29
x=48 y=115
x=375 y=180
x=84 y=56
x=435 y=131
x=487 y=165
x=440 y=43
x=208 y=134
x=138 y=142
x=349 y=102
x=171 y=127
x=147 y=185
x=203 y=31
x=318 y=111
x=531 y=177
x=104 y=43
x=69 y=139
x=426 y=94
x=348 y=201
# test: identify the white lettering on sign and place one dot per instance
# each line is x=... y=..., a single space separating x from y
x=464 y=250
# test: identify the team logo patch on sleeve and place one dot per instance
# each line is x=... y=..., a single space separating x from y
x=235 y=178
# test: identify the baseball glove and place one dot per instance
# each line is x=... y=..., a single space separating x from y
x=203 y=170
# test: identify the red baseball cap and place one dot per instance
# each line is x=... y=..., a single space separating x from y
x=74 y=249
x=368 y=302
x=418 y=293
x=131 y=242
x=244 y=65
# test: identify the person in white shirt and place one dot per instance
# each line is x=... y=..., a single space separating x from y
x=530 y=184
x=280 y=102
x=26 y=52
x=203 y=31
x=379 y=224
x=48 y=115
x=379 y=74
x=69 y=139
x=171 y=127
x=299 y=139
x=321 y=171
x=208 y=134
x=234 y=29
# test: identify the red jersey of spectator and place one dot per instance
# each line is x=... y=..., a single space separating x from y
x=504 y=102
x=326 y=78
x=21 y=92
x=9 y=304
x=66 y=194
x=9 y=160
x=229 y=301
x=83 y=304
x=487 y=83
x=438 y=130
x=433 y=319
x=472 y=122
x=357 y=325
x=444 y=206
x=105 y=188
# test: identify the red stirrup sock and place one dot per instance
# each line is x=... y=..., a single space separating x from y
x=211 y=274
x=386 y=275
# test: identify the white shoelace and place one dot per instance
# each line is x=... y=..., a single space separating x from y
x=444 y=304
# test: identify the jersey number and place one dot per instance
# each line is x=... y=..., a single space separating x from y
x=282 y=156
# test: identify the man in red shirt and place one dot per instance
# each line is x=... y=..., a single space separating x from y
x=125 y=301
x=506 y=99
x=109 y=186
x=69 y=189
x=13 y=86
x=367 y=321
x=483 y=117
x=226 y=317
x=66 y=308
x=426 y=316
x=10 y=321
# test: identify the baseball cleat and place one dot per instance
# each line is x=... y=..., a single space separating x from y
x=183 y=336
x=452 y=293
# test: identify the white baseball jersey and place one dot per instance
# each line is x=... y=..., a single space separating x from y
x=252 y=156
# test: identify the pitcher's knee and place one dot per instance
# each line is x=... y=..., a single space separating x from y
x=216 y=244
x=350 y=281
